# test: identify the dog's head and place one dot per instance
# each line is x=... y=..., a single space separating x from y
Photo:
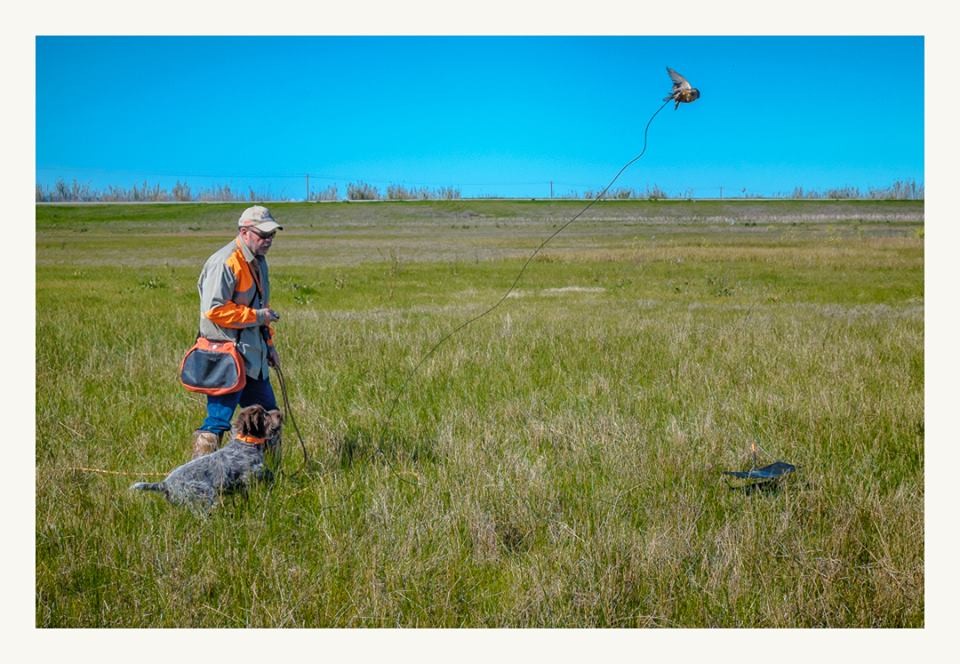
x=258 y=422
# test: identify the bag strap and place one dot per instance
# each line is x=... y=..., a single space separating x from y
x=255 y=271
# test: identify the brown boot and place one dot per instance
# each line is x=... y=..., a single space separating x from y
x=204 y=442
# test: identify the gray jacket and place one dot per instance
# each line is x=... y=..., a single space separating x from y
x=230 y=300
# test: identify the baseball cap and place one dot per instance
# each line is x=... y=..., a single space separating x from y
x=260 y=218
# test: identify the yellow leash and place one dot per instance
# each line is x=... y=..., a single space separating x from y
x=113 y=472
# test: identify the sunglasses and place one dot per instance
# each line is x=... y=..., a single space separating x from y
x=260 y=234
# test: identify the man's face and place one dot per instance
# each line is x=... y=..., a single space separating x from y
x=258 y=241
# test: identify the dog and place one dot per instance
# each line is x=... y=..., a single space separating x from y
x=230 y=469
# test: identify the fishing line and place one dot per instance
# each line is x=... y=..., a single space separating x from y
x=403 y=386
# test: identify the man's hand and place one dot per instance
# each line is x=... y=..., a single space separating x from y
x=267 y=315
x=273 y=358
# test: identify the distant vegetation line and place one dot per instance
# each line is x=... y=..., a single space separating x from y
x=63 y=192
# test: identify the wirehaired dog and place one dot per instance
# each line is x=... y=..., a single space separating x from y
x=232 y=468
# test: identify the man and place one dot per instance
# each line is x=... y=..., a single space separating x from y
x=234 y=290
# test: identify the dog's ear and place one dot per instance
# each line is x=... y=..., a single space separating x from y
x=251 y=421
x=243 y=421
x=274 y=420
x=260 y=419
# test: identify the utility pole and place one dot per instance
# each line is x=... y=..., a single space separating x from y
x=308 y=187
x=721 y=192
x=551 y=188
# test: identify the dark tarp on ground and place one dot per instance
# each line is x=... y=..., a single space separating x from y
x=771 y=472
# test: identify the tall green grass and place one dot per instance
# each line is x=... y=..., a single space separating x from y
x=557 y=463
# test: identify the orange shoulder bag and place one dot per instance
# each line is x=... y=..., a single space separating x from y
x=213 y=368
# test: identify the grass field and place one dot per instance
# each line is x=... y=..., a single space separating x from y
x=557 y=463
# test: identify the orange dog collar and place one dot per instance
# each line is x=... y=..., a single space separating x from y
x=253 y=440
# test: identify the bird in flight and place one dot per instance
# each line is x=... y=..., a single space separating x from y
x=682 y=90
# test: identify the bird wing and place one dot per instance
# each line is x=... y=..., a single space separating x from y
x=678 y=80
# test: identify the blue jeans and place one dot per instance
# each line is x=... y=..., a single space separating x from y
x=220 y=409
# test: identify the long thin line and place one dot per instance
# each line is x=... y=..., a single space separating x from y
x=103 y=471
x=289 y=414
x=403 y=387
x=290 y=176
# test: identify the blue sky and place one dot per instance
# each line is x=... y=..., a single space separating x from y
x=487 y=115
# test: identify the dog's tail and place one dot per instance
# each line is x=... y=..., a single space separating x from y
x=148 y=486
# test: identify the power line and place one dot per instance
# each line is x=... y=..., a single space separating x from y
x=298 y=176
